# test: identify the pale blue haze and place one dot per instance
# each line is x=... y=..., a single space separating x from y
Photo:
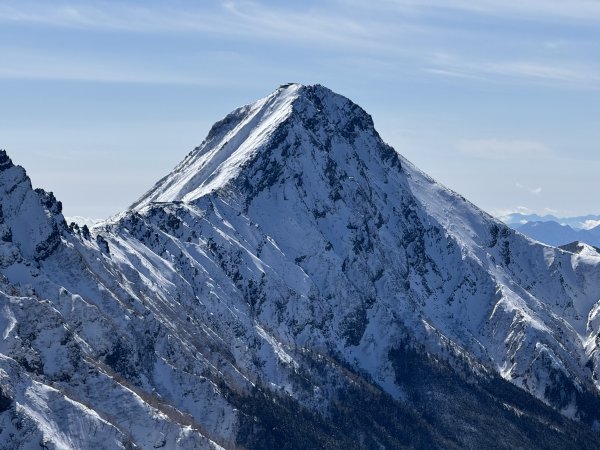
x=497 y=100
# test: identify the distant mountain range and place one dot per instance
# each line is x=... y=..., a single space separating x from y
x=557 y=231
x=577 y=222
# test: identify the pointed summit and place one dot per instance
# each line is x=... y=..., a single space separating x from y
x=5 y=161
x=255 y=143
x=30 y=219
x=230 y=142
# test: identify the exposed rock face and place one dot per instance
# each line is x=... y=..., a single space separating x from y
x=294 y=280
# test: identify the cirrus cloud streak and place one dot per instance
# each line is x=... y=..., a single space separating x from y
x=503 y=149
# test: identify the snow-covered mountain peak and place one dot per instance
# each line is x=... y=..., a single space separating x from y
x=299 y=187
x=292 y=265
x=300 y=114
x=30 y=219
x=581 y=248
x=5 y=161
x=230 y=143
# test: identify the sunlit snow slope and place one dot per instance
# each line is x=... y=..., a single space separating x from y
x=293 y=280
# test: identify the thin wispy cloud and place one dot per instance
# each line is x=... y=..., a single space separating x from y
x=28 y=64
x=306 y=24
x=210 y=15
x=538 y=10
x=453 y=73
x=542 y=71
x=531 y=190
x=567 y=73
x=506 y=213
x=113 y=16
x=248 y=21
x=394 y=31
x=502 y=149
x=251 y=19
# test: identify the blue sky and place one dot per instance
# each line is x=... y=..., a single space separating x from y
x=497 y=100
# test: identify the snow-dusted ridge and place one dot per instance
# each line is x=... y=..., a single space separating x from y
x=230 y=143
x=295 y=263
